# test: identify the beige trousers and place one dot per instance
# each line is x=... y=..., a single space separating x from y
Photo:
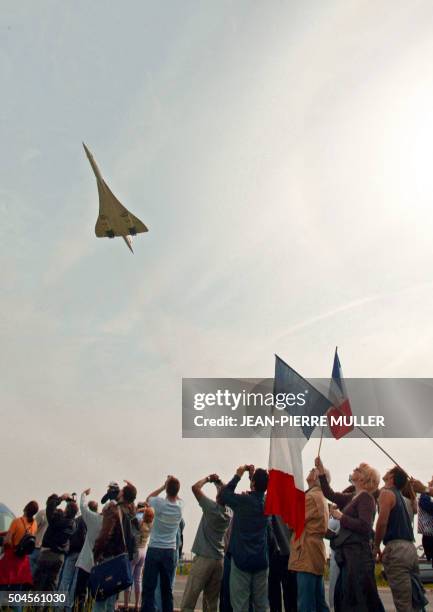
x=205 y=576
x=400 y=561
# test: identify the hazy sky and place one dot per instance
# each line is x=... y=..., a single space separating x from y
x=281 y=155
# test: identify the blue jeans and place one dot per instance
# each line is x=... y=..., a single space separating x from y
x=225 y=605
x=311 y=593
x=33 y=557
x=68 y=578
x=158 y=597
x=160 y=562
x=107 y=605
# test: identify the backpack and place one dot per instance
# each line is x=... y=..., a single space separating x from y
x=27 y=543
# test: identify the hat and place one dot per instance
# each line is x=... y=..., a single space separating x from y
x=113 y=485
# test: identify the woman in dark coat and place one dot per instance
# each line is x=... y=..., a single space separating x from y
x=356 y=589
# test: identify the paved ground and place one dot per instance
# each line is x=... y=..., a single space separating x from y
x=385 y=595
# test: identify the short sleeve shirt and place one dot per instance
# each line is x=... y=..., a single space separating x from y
x=168 y=515
x=209 y=539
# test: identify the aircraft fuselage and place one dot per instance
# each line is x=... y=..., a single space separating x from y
x=114 y=219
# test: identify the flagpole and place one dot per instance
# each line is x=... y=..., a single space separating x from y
x=320 y=443
x=338 y=408
x=379 y=446
x=365 y=433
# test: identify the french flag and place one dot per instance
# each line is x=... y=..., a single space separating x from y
x=285 y=495
x=340 y=401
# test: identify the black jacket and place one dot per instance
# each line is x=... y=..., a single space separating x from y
x=60 y=528
x=76 y=542
x=279 y=538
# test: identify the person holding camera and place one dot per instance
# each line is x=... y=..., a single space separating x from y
x=55 y=544
x=116 y=536
x=207 y=569
x=161 y=554
x=68 y=576
x=143 y=522
x=249 y=540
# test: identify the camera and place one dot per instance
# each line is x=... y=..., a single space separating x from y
x=112 y=493
x=72 y=498
x=250 y=470
x=215 y=480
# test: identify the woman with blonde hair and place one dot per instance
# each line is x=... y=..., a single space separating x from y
x=356 y=589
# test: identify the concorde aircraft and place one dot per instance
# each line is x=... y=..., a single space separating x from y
x=114 y=219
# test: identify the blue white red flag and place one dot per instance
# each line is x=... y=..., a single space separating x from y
x=285 y=495
x=340 y=401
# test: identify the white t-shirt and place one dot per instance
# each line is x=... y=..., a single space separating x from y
x=93 y=522
x=166 y=522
